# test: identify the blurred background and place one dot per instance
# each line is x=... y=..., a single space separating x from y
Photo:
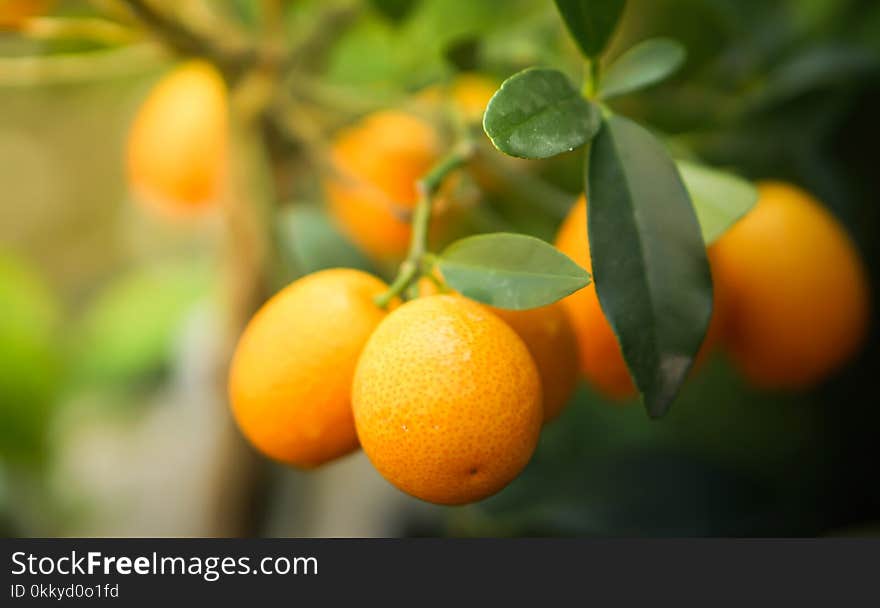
x=113 y=416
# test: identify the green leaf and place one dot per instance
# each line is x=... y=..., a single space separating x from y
x=538 y=113
x=720 y=198
x=645 y=64
x=591 y=22
x=512 y=271
x=649 y=260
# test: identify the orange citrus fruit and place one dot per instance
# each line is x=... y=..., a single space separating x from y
x=447 y=400
x=291 y=374
x=177 y=147
x=377 y=164
x=797 y=290
x=602 y=361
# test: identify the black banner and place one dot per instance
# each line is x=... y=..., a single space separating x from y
x=141 y=572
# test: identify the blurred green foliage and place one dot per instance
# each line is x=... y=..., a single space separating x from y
x=30 y=361
x=127 y=332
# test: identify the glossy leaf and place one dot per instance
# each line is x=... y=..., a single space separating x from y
x=645 y=64
x=539 y=113
x=649 y=260
x=591 y=22
x=720 y=198
x=512 y=271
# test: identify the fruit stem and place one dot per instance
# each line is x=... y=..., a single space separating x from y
x=427 y=188
x=591 y=78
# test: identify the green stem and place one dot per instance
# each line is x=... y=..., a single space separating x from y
x=412 y=266
x=592 y=77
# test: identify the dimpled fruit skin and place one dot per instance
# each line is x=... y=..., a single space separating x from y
x=290 y=379
x=601 y=360
x=177 y=147
x=377 y=163
x=550 y=338
x=548 y=334
x=447 y=400
x=797 y=290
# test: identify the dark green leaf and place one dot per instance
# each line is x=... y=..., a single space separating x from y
x=649 y=260
x=510 y=271
x=720 y=198
x=538 y=113
x=645 y=64
x=591 y=22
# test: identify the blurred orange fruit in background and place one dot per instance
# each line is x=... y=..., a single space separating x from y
x=471 y=94
x=178 y=144
x=447 y=400
x=291 y=375
x=795 y=287
x=378 y=162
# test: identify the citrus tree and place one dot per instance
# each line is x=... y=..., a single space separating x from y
x=491 y=239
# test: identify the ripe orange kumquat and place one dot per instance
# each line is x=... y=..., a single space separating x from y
x=178 y=144
x=447 y=400
x=797 y=291
x=290 y=378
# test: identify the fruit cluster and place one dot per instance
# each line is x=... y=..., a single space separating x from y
x=448 y=396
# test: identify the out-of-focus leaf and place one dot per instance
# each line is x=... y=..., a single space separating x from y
x=816 y=68
x=30 y=360
x=643 y=65
x=538 y=113
x=438 y=23
x=314 y=243
x=396 y=10
x=128 y=329
x=649 y=260
x=720 y=198
x=510 y=271
x=591 y=22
